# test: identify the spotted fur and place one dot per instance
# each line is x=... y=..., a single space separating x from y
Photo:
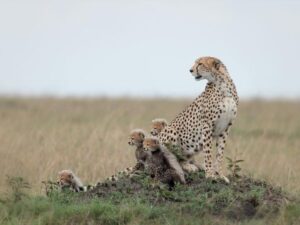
x=207 y=118
x=124 y=173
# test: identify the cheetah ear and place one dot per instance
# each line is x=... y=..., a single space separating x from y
x=70 y=176
x=156 y=142
x=142 y=135
x=217 y=64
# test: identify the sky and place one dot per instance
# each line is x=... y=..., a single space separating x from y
x=145 y=48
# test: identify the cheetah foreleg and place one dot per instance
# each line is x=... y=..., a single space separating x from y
x=207 y=146
x=220 y=145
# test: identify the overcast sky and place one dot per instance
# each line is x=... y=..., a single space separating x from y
x=146 y=48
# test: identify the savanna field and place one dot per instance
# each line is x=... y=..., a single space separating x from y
x=40 y=137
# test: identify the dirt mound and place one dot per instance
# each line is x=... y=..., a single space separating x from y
x=242 y=198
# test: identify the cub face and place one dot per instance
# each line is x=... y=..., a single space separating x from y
x=136 y=137
x=151 y=144
x=206 y=68
x=157 y=126
x=65 y=178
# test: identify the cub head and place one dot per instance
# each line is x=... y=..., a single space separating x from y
x=157 y=126
x=65 y=178
x=208 y=68
x=151 y=144
x=136 y=137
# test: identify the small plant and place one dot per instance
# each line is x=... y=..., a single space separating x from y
x=50 y=187
x=234 y=167
x=17 y=186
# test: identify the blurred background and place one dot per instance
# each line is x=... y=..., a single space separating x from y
x=146 y=48
x=77 y=76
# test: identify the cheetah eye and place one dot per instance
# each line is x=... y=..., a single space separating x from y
x=200 y=64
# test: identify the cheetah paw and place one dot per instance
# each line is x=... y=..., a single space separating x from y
x=190 y=168
x=222 y=177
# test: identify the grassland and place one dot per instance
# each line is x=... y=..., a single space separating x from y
x=140 y=201
x=42 y=136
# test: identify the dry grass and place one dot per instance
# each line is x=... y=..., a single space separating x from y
x=39 y=137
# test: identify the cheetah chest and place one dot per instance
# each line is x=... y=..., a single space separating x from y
x=227 y=113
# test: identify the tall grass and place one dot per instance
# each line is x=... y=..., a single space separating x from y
x=39 y=137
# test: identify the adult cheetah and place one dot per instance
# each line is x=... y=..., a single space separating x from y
x=208 y=118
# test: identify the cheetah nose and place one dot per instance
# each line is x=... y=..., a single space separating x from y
x=191 y=70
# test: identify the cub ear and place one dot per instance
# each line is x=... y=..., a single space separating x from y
x=142 y=135
x=156 y=141
x=70 y=176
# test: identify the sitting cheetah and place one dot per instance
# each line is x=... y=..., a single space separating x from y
x=68 y=180
x=160 y=163
x=136 y=139
x=157 y=126
x=208 y=117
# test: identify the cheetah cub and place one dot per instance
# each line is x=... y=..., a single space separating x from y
x=68 y=180
x=136 y=138
x=160 y=164
x=157 y=126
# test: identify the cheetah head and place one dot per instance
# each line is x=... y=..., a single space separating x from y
x=206 y=68
x=157 y=126
x=65 y=178
x=136 y=137
x=151 y=144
